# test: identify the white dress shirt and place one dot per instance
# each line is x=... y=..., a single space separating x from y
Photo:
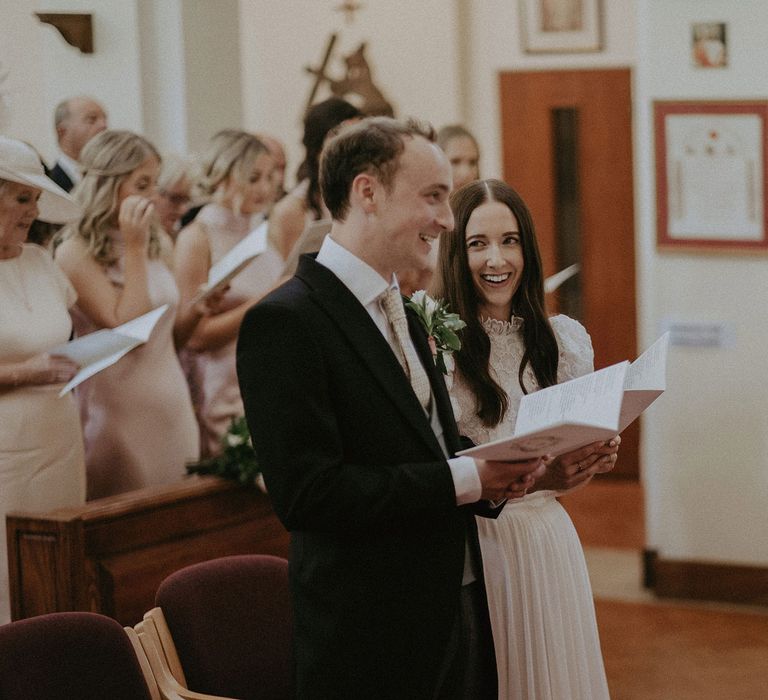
x=367 y=286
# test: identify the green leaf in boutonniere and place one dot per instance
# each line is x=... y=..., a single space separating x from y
x=237 y=460
x=441 y=325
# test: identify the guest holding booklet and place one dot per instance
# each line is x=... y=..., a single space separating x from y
x=41 y=448
x=138 y=422
x=235 y=176
x=539 y=597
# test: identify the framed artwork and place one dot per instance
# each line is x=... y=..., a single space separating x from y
x=709 y=47
x=711 y=185
x=561 y=26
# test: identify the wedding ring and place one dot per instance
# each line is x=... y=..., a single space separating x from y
x=582 y=466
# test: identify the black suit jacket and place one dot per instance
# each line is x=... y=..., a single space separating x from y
x=60 y=177
x=356 y=474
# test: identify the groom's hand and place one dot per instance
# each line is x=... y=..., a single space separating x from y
x=502 y=480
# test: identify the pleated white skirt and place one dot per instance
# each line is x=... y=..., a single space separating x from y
x=540 y=602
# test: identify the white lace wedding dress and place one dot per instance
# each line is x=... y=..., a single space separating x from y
x=539 y=597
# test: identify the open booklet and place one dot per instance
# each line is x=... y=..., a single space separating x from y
x=309 y=242
x=100 y=349
x=235 y=260
x=588 y=409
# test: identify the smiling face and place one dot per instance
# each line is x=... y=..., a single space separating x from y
x=18 y=209
x=463 y=156
x=255 y=193
x=495 y=257
x=413 y=212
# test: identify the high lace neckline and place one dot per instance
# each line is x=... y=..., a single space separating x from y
x=493 y=326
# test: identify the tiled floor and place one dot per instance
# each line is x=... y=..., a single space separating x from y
x=661 y=649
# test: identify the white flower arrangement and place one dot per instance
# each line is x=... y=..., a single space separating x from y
x=441 y=326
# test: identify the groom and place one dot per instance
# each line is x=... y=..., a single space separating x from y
x=353 y=428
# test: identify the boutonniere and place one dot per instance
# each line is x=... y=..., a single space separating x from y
x=237 y=460
x=440 y=324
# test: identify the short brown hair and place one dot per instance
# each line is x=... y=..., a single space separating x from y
x=372 y=145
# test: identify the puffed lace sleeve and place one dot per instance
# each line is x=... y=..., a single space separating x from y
x=576 y=355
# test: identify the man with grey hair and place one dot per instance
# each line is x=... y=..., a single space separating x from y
x=77 y=120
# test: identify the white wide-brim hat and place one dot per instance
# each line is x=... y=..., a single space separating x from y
x=19 y=163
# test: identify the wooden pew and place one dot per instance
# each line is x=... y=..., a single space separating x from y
x=110 y=555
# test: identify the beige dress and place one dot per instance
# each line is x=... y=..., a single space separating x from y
x=215 y=370
x=41 y=447
x=138 y=422
x=539 y=596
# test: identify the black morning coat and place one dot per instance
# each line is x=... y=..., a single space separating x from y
x=355 y=473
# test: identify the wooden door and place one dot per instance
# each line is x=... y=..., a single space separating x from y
x=567 y=145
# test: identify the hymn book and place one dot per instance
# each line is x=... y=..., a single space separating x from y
x=100 y=349
x=584 y=410
x=235 y=260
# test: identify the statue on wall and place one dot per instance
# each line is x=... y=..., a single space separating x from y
x=356 y=85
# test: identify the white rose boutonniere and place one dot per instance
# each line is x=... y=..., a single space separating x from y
x=237 y=460
x=441 y=326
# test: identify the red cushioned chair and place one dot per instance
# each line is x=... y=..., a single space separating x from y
x=231 y=627
x=62 y=656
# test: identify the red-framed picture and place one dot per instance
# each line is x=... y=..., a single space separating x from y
x=711 y=184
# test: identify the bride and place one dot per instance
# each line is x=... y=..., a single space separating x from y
x=539 y=597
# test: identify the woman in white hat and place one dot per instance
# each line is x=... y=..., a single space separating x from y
x=41 y=448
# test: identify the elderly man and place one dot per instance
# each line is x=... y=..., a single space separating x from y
x=352 y=423
x=77 y=120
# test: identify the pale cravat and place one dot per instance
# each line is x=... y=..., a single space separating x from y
x=392 y=306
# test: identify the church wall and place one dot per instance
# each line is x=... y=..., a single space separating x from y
x=706 y=445
x=410 y=48
x=44 y=69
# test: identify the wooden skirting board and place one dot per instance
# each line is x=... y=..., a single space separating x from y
x=110 y=555
x=695 y=580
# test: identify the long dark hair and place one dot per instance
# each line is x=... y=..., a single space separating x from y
x=320 y=119
x=453 y=283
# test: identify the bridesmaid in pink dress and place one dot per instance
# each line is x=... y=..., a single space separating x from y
x=236 y=176
x=139 y=426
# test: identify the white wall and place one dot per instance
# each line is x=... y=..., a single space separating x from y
x=410 y=49
x=493 y=43
x=44 y=69
x=24 y=115
x=706 y=445
x=163 y=74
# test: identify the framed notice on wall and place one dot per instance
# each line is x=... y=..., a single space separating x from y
x=561 y=26
x=711 y=185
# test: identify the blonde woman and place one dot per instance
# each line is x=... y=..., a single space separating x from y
x=138 y=422
x=236 y=176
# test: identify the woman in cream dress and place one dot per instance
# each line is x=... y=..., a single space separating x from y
x=138 y=422
x=41 y=447
x=236 y=172
x=539 y=597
